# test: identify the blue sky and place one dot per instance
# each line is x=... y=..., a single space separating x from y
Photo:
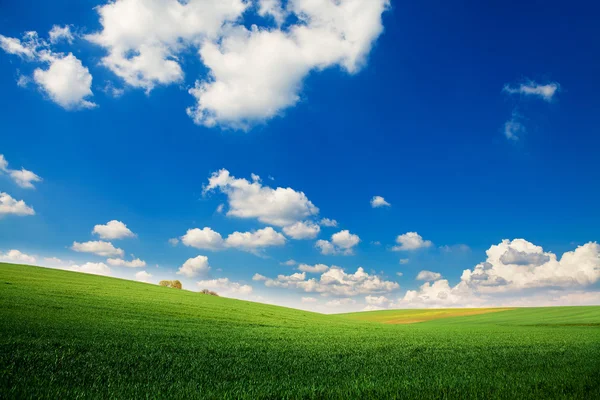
x=475 y=122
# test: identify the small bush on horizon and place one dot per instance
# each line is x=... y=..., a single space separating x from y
x=172 y=284
x=209 y=292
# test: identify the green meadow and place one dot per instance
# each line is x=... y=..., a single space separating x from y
x=71 y=335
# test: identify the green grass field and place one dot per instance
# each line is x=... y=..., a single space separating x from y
x=68 y=335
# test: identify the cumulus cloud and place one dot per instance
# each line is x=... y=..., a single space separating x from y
x=289 y=263
x=331 y=223
x=204 y=238
x=16 y=257
x=279 y=207
x=58 y=33
x=99 y=247
x=65 y=80
x=253 y=241
x=313 y=269
x=378 y=201
x=117 y=262
x=342 y=242
x=225 y=287
x=113 y=230
x=428 y=276
x=92 y=268
x=256 y=73
x=336 y=282
x=10 y=206
x=411 y=241
x=377 y=300
x=22 y=177
x=545 y=92
x=143 y=38
x=143 y=276
x=302 y=230
x=194 y=267
x=516 y=268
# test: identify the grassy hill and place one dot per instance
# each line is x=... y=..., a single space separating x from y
x=66 y=335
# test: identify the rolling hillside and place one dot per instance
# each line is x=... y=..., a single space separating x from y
x=66 y=335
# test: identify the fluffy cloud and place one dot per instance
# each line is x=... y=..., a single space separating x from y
x=208 y=239
x=117 y=262
x=334 y=282
x=92 y=268
x=99 y=247
x=143 y=38
x=342 y=242
x=173 y=242
x=204 y=238
x=302 y=230
x=113 y=230
x=225 y=286
x=340 y=302
x=256 y=73
x=513 y=128
x=65 y=80
x=143 y=276
x=22 y=177
x=545 y=92
x=428 y=276
x=411 y=241
x=377 y=300
x=516 y=268
x=16 y=257
x=280 y=207
x=10 y=206
x=313 y=269
x=308 y=300
x=289 y=263
x=194 y=267
x=251 y=241
x=378 y=201
x=332 y=223
x=58 y=34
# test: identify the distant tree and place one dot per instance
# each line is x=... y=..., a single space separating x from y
x=209 y=292
x=171 y=284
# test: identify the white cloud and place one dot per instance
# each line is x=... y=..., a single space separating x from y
x=313 y=269
x=143 y=276
x=173 y=242
x=194 y=267
x=513 y=128
x=280 y=207
x=204 y=238
x=92 y=268
x=340 y=302
x=289 y=263
x=411 y=241
x=22 y=177
x=377 y=301
x=256 y=73
x=58 y=33
x=16 y=257
x=332 y=223
x=66 y=81
x=399 y=273
x=10 y=206
x=101 y=248
x=225 y=286
x=272 y=8
x=259 y=277
x=520 y=269
x=143 y=38
x=428 y=276
x=308 y=300
x=220 y=208
x=457 y=248
x=404 y=261
x=378 y=201
x=335 y=282
x=302 y=230
x=342 y=242
x=251 y=241
x=117 y=262
x=16 y=47
x=545 y=92
x=113 y=230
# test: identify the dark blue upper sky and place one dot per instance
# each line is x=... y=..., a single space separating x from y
x=421 y=124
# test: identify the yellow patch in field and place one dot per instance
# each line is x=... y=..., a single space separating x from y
x=416 y=316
